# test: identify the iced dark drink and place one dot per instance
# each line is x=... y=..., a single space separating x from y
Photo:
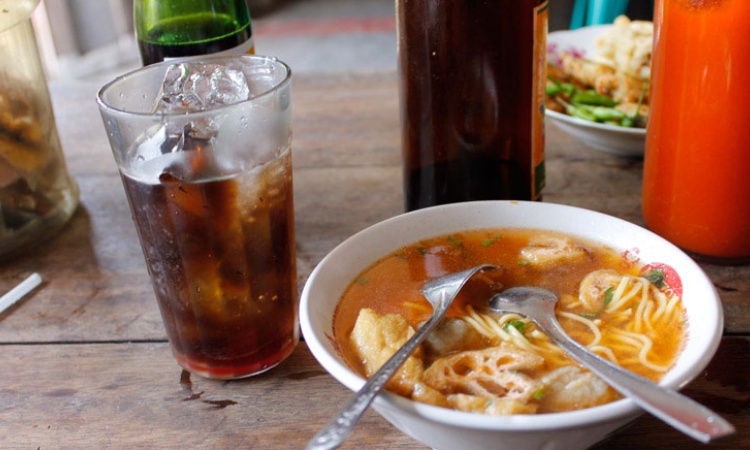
x=211 y=197
x=220 y=249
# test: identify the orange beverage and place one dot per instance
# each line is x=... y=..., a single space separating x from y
x=696 y=180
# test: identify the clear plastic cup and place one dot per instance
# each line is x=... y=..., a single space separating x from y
x=211 y=196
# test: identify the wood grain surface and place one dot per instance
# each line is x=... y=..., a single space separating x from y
x=85 y=362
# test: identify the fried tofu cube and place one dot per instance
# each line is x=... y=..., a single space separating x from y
x=375 y=338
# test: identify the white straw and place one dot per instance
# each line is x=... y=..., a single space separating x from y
x=18 y=292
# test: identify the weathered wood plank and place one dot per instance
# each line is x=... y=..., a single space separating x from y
x=133 y=395
x=114 y=396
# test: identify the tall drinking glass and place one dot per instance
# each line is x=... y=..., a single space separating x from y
x=696 y=186
x=208 y=175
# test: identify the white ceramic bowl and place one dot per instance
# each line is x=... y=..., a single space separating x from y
x=607 y=138
x=442 y=428
x=620 y=141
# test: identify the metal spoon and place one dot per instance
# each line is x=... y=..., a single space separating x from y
x=440 y=292
x=679 y=411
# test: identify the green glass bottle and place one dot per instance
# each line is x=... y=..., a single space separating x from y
x=177 y=28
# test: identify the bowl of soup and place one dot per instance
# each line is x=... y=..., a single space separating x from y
x=485 y=380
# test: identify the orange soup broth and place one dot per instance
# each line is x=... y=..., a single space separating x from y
x=393 y=284
x=697 y=162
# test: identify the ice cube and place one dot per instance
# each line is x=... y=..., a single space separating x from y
x=148 y=145
x=194 y=87
x=160 y=139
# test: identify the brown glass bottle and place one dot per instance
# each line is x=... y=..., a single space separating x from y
x=472 y=94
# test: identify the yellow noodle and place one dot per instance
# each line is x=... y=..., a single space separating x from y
x=661 y=301
x=668 y=314
x=588 y=323
x=486 y=325
x=671 y=312
x=665 y=309
x=649 y=306
x=496 y=328
x=630 y=362
x=672 y=306
x=617 y=296
x=538 y=335
x=622 y=316
x=643 y=357
x=620 y=345
x=638 y=323
x=634 y=290
x=505 y=318
x=652 y=309
x=477 y=322
x=521 y=342
x=645 y=347
x=518 y=338
x=625 y=337
x=570 y=302
x=647 y=313
x=605 y=352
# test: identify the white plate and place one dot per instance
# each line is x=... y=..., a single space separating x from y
x=607 y=138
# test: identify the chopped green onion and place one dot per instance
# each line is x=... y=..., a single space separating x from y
x=591 y=106
x=603 y=113
x=566 y=89
x=517 y=324
x=553 y=89
x=593 y=98
x=609 y=294
x=455 y=241
x=489 y=241
x=656 y=277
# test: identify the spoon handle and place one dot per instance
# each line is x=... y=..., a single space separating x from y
x=336 y=431
x=677 y=410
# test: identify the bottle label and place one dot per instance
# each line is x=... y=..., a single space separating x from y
x=245 y=48
x=538 y=96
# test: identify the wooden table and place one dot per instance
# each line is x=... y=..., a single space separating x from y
x=85 y=362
